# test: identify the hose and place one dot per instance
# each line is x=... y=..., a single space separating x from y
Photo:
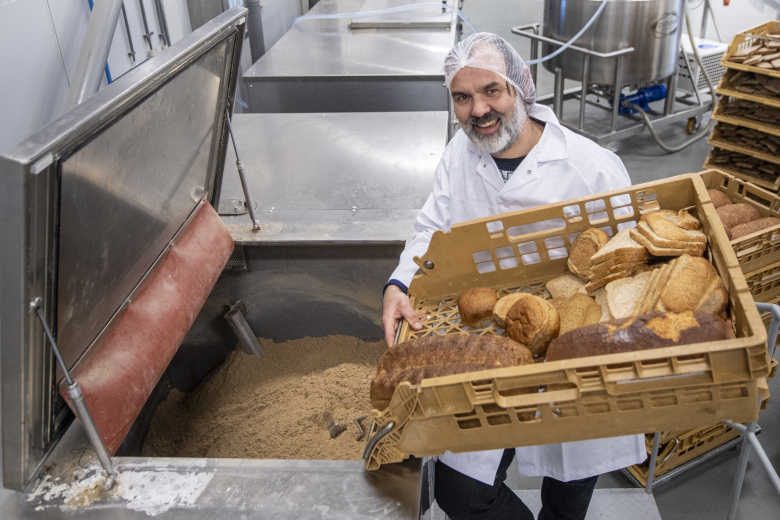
x=708 y=128
x=574 y=38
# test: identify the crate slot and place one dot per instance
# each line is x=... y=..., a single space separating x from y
x=607 y=230
x=553 y=242
x=573 y=236
x=630 y=404
x=505 y=252
x=619 y=201
x=572 y=211
x=598 y=218
x=495 y=226
x=497 y=420
x=469 y=424
x=486 y=267
x=532 y=258
x=482 y=256
x=553 y=224
x=508 y=263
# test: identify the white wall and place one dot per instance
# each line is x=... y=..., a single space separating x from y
x=40 y=42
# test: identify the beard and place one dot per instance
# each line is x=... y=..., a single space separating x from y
x=509 y=129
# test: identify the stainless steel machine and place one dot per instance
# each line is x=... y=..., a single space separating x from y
x=326 y=66
x=95 y=199
x=628 y=58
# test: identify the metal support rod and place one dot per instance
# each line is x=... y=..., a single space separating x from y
x=147 y=34
x=94 y=52
x=653 y=459
x=162 y=23
x=77 y=398
x=129 y=36
x=705 y=13
x=744 y=454
x=616 y=100
x=671 y=94
x=584 y=93
x=247 y=195
x=242 y=330
x=558 y=93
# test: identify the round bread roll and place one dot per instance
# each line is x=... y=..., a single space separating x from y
x=584 y=247
x=504 y=304
x=476 y=306
x=534 y=322
x=736 y=214
x=718 y=198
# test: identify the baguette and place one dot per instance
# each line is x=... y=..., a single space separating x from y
x=649 y=331
x=436 y=356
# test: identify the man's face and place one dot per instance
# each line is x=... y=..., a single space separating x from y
x=490 y=113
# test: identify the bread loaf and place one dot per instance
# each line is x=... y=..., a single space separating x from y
x=504 y=304
x=576 y=311
x=649 y=331
x=718 y=198
x=476 y=306
x=693 y=284
x=564 y=286
x=533 y=322
x=436 y=356
x=753 y=226
x=587 y=244
x=735 y=214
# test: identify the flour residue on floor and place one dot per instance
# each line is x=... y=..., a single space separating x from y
x=276 y=407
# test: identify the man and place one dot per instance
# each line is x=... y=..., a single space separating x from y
x=509 y=155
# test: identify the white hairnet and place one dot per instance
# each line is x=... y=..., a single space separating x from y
x=491 y=52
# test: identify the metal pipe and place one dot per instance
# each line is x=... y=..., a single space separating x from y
x=162 y=23
x=584 y=93
x=147 y=34
x=255 y=27
x=129 y=36
x=558 y=93
x=616 y=100
x=741 y=467
x=519 y=31
x=671 y=94
x=77 y=399
x=94 y=52
x=240 y=165
x=653 y=459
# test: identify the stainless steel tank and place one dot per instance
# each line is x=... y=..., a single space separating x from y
x=651 y=27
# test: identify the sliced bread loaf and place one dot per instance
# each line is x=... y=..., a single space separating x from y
x=564 y=286
x=621 y=247
x=665 y=229
x=623 y=295
x=696 y=249
x=584 y=247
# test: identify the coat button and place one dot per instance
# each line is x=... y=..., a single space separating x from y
x=529 y=172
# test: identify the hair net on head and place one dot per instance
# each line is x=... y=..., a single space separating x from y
x=491 y=52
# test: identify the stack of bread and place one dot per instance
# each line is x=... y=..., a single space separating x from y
x=749 y=83
x=670 y=233
x=741 y=219
x=614 y=259
x=764 y=53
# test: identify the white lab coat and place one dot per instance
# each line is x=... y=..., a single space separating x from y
x=467 y=185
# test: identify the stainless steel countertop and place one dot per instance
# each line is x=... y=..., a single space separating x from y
x=195 y=489
x=307 y=172
x=330 y=48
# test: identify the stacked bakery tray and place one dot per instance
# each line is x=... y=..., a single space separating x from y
x=664 y=389
x=746 y=139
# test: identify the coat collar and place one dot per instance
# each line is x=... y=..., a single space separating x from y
x=551 y=147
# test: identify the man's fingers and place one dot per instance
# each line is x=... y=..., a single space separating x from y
x=408 y=313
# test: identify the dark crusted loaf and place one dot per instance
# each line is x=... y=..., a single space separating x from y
x=435 y=356
x=649 y=331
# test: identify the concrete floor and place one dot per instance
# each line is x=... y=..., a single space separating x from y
x=703 y=492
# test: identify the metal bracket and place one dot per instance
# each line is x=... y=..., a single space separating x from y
x=234 y=207
x=246 y=338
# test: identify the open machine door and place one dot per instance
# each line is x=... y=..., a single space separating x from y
x=91 y=203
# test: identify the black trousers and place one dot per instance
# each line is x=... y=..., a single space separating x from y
x=465 y=498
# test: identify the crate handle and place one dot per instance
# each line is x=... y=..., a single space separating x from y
x=512 y=401
x=632 y=386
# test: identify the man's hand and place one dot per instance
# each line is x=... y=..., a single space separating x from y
x=396 y=306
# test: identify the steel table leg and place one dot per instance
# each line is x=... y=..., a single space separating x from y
x=653 y=460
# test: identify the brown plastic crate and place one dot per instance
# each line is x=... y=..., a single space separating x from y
x=725 y=89
x=764 y=283
x=681 y=448
x=758 y=249
x=719 y=115
x=746 y=39
x=740 y=174
x=585 y=398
